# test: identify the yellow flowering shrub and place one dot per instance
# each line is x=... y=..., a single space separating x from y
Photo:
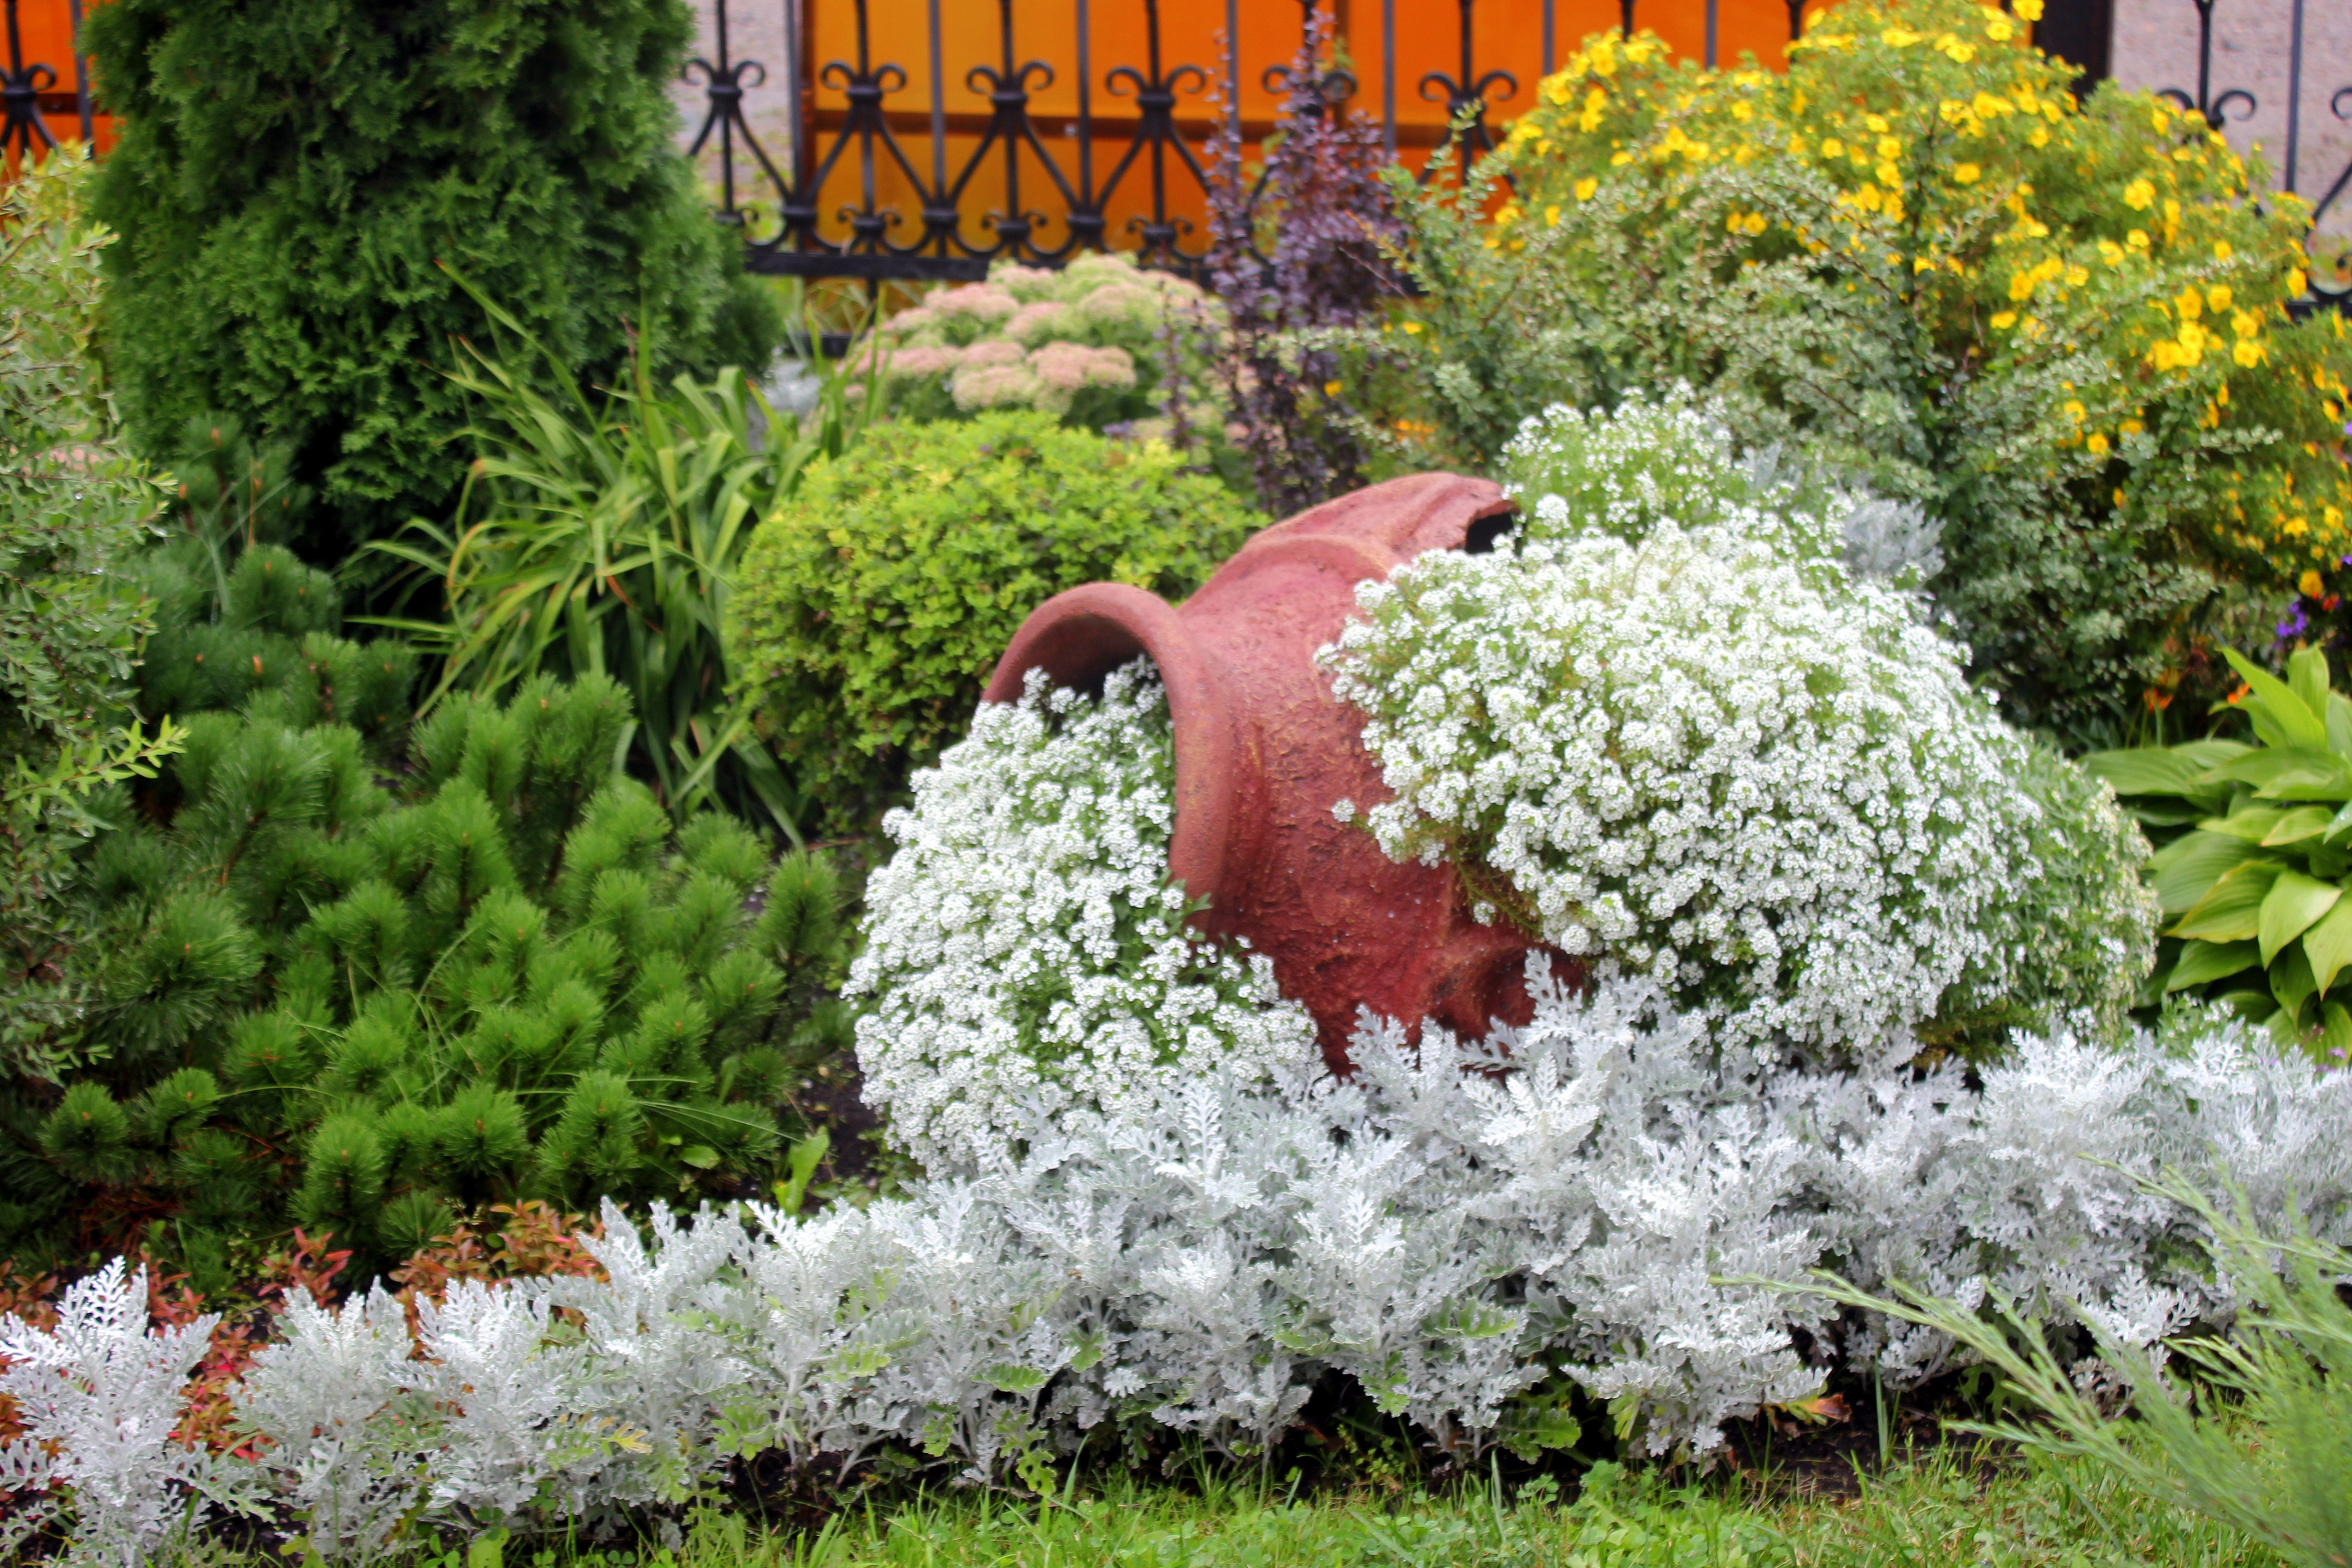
x=2061 y=326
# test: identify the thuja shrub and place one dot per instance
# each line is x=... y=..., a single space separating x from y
x=1671 y=731
x=367 y=974
x=871 y=605
x=281 y=243
x=2060 y=326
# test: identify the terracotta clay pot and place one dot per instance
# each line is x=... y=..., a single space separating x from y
x=1264 y=751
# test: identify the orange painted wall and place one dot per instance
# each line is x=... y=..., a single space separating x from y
x=46 y=28
x=1509 y=36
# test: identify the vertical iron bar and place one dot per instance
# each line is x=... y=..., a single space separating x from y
x=1711 y=8
x=1387 y=73
x=2204 y=54
x=81 y=77
x=799 y=109
x=2294 y=91
x=1085 y=116
x=1233 y=62
x=726 y=73
x=938 y=108
x=1550 y=51
x=868 y=211
x=1625 y=27
x=1797 y=19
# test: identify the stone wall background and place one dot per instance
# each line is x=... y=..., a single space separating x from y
x=2155 y=46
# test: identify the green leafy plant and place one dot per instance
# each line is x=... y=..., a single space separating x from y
x=2059 y=326
x=2255 y=853
x=2258 y=1435
x=871 y=605
x=74 y=510
x=279 y=242
x=598 y=535
x=366 y=975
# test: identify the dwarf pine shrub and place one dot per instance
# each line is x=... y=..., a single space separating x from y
x=365 y=973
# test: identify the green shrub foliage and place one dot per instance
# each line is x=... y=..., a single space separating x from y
x=872 y=605
x=361 y=997
x=294 y=171
x=73 y=510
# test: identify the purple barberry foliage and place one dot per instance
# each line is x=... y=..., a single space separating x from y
x=1322 y=206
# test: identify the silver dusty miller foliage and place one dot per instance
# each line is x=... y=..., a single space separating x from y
x=1440 y=1227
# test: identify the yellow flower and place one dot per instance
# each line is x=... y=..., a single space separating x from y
x=2133 y=427
x=2111 y=253
x=2078 y=276
x=2189 y=304
x=2020 y=286
x=2221 y=250
x=2028 y=10
x=2098 y=444
x=2310 y=585
x=2296 y=283
x=1832 y=147
x=1877 y=122
x=1888 y=175
x=2249 y=354
x=1330 y=389
x=2217 y=297
x=1998 y=29
x=2075 y=410
x=2005 y=320
x=2039 y=137
x=2294 y=527
x=1900 y=38
x=2137 y=239
x=1757 y=224
x=1966 y=173
x=2138 y=194
x=1585 y=187
x=1889 y=147
x=2245 y=323
x=1411 y=326
x=1551 y=217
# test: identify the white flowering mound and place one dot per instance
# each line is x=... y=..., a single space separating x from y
x=1027 y=958
x=1716 y=757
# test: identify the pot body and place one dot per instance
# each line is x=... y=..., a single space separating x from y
x=1263 y=751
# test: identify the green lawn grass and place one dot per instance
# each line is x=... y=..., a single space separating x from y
x=1941 y=1513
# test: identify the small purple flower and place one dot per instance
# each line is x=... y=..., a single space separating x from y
x=2295 y=623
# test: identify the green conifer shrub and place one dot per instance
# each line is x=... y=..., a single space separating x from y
x=292 y=173
x=872 y=604
x=368 y=974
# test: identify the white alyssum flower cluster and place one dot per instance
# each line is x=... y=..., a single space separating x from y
x=1027 y=957
x=1714 y=756
x=1623 y=472
x=1446 y=1227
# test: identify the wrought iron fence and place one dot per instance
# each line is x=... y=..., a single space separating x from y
x=1056 y=177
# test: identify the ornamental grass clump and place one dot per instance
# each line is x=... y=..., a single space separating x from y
x=2060 y=326
x=1027 y=956
x=1714 y=755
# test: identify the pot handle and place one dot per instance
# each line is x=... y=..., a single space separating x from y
x=1079 y=637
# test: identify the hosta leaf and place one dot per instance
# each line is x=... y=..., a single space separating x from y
x=2328 y=945
x=2294 y=902
x=2280 y=717
x=2251 y=823
x=2231 y=910
x=2340 y=725
x=2291 y=982
x=2303 y=821
x=2149 y=770
x=2204 y=961
x=2336 y=1030
x=2307 y=677
x=2186 y=870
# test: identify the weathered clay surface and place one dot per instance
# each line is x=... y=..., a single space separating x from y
x=1263 y=751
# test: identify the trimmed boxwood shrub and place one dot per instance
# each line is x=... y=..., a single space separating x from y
x=870 y=607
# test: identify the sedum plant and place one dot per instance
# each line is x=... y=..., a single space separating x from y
x=2256 y=853
x=871 y=605
x=2059 y=326
x=1095 y=343
x=1671 y=731
x=1027 y=954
